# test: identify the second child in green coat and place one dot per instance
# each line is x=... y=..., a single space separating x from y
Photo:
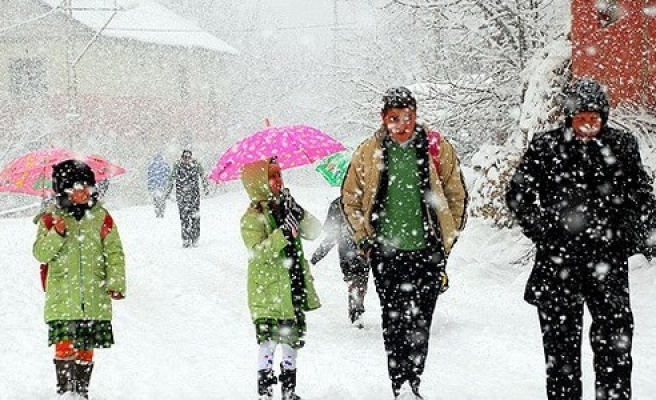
x=280 y=284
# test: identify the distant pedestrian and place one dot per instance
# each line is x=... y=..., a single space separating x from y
x=353 y=265
x=78 y=240
x=187 y=177
x=158 y=178
x=582 y=195
x=280 y=284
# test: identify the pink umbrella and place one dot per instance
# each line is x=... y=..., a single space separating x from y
x=294 y=146
x=32 y=172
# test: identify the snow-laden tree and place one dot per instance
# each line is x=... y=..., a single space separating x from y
x=483 y=48
x=463 y=58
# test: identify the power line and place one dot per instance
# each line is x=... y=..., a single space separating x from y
x=32 y=19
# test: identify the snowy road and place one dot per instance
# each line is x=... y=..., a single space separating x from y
x=184 y=330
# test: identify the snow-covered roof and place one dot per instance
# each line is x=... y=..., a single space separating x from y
x=145 y=21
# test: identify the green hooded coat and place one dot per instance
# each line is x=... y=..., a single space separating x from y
x=82 y=267
x=269 y=282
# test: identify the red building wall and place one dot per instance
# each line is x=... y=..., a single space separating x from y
x=650 y=20
x=621 y=54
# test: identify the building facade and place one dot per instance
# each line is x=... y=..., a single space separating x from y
x=614 y=41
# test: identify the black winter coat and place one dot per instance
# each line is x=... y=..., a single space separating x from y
x=187 y=179
x=337 y=232
x=582 y=203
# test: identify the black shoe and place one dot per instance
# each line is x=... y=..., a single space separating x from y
x=83 y=372
x=414 y=386
x=265 y=381
x=65 y=370
x=288 y=384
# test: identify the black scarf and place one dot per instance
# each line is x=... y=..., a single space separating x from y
x=294 y=254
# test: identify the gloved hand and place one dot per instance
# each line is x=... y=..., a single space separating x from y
x=315 y=259
x=291 y=206
x=366 y=246
x=289 y=227
x=444 y=282
x=60 y=226
x=115 y=295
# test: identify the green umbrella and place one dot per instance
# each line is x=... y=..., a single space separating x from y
x=333 y=168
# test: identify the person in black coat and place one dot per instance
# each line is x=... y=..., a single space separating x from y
x=187 y=177
x=353 y=265
x=582 y=196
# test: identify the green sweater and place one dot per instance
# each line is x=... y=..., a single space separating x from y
x=402 y=225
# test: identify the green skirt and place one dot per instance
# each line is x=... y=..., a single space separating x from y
x=287 y=332
x=84 y=334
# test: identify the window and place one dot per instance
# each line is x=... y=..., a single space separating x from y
x=27 y=77
x=608 y=12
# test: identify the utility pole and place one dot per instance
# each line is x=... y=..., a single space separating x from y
x=72 y=58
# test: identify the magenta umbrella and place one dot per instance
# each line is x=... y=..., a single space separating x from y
x=293 y=145
x=31 y=173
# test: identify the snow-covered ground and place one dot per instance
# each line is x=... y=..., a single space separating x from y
x=184 y=330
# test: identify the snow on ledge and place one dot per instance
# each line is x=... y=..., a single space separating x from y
x=145 y=21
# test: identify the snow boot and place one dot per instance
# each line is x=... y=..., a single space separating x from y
x=83 y=371
x=407 y=392
x=288 y=384
x=65 y=370
x=414 y=386
x=265 y=381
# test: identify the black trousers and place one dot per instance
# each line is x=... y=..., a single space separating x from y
x=611 y=335
x=356 y=276
x=408 y=285
x=190 y=221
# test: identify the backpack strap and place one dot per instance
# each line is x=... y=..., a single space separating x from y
x=107 y=226
x=434 y=138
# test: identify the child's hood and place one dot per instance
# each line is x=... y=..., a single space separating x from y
x=255 y=177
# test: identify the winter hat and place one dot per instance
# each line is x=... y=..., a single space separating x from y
x=583 y=95
x=186 y=152
x=67 y=173
x=398 y=97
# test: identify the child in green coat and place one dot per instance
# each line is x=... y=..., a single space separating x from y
x=280 y=285
x=79 y=242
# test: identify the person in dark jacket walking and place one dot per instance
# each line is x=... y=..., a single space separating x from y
x=404 y=199
x=187 y=177
x=354 y=267
x=158 y=176
x=582 y=196
x=79 y=241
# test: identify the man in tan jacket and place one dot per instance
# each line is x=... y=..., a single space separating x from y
x=404 y=199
